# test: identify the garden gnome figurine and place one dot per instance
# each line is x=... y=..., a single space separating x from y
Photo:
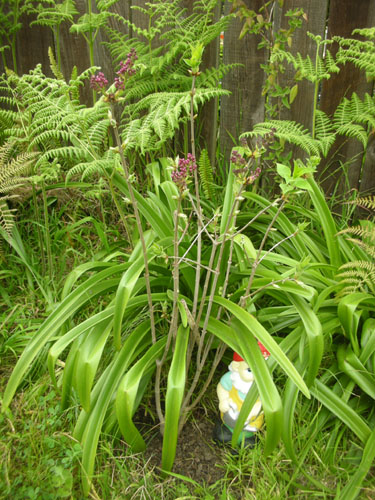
x=232 y=390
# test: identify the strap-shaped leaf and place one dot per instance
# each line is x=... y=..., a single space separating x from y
x=123 y=294
x=173 y=399
x=162 y=228
x=101 y=319
x=340 y=409
x=352 y=488
x=127 y=394
x=352 y=366
x=269 y=395
x=87 y=291
x=313 y=329
x=258 y=331
x=350 y=316
x=98 y=409
x=327 y=222
x=87 y=360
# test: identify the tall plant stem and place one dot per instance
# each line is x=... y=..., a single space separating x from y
x=139 y=226
x=174 y=319
x=201 y=358
x=316 y=92
x=47 y=232
x=121 y=212
x=39 y=232
x=16 y=14
x=58 y=48
x=199 y=210
x=187 y=408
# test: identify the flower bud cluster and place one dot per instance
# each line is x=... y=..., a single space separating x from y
x=254 y=176
x=98 y=82
x=268 y=138
x=185 y=168
x=126 y=69
x=237 y=159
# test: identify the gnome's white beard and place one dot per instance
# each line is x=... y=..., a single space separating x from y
x=240 y=384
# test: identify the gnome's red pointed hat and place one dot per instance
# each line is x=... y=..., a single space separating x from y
x=265 y=352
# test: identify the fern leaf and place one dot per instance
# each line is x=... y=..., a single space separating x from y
x=205 y=174
x=288 y=131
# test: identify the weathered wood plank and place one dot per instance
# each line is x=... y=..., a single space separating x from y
x=209 y=115
x=245 y=107
x=344 y=17
x=32 y=46
x=301 y=109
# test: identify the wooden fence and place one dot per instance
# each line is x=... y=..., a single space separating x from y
x=245 y=106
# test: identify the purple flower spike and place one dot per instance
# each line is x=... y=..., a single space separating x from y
x=186 y=167
x=98 y=82
x=237 y=159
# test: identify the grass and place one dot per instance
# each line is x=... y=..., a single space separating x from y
x=40 y=459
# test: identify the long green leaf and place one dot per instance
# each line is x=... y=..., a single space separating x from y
x=327 y=222
x=127 y=393
x=349 y=316
x=341 y=410
x=258 y=331
x=101 y=319
x=123 y=293
x=352 y=488
x=269 y=395
x=352 y=366
x=87 y=360
x=228 y=200
x=173 y=399
x=98 y=410
x=163 y=228
x=87 y=291
x=314 y=334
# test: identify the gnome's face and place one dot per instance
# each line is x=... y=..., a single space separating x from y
x=243 y=370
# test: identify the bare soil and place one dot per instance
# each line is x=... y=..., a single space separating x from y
x=197 y=456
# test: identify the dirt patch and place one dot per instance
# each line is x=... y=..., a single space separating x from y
x=197 y=456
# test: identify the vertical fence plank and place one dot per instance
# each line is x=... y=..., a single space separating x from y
x=344 y=17
x=301 y=109
x=102 y=56
x=74 y=49
x=209 y=113
x=245 y=107
x=32 y=46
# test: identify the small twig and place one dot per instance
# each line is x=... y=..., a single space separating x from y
x=195 y=239
x=256 y=261
x=278 y=244
x=174 y=320
x=268 y=286
x=273 y=204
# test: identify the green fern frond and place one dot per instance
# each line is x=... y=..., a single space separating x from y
x=314 y=71
x=6 y=217
x=206 y=175
x=13 y=166
x=367 y=202
x=288 y=131
x=361 y=53
x=353 y=117
x=53 y=65
x=369 y=249
x=357 y=276
x=360 y=231
x=163 y=112
x=88 y=170
x=324 y=132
